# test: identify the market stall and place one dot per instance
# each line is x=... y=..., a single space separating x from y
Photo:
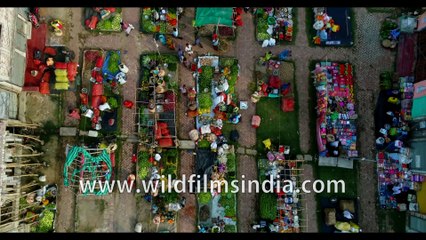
x=217 y=208
x=159 y=20
x=103 y=19
x=156 y=100
x=40 y=209
x=89 y=165
x=282 y=208
x=100 y=99
x=275 y=25
x=397 y=183
x=336 y=115
x=52 y=69
x=222 y=21
x=215 y=89
x=152 y=164
x=339 y=215
x=332 y=26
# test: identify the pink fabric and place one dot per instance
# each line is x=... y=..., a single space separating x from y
x=420 y=89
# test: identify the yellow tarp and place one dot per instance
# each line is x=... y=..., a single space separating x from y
x=421 y=199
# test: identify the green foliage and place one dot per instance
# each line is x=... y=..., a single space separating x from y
x=206 y=76
x=143 y=164
x=233 y=78
x=231 y=162
x=268 y=206
x=205 y=100
x=45 y=224
x=387 y=27
x=113 y=62
x=204 y=198
x=227 y=201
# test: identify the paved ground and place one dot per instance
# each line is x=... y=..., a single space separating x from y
x=367 y=56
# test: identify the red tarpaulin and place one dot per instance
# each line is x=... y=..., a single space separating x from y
x=37 y=41
x=406 y=54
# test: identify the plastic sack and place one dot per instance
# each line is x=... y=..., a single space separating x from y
x=61 y=86
x=61 y=72
x=62 y=79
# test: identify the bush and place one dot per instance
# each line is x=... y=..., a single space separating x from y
x=268 y=206
x=204 y=198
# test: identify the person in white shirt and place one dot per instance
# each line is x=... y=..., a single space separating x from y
x=188 y=49
x=176 y=33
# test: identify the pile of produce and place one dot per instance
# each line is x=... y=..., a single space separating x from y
x=274 y=23
x=103 y=19
x=159 y=20
x=268 y=206
x=45 y=224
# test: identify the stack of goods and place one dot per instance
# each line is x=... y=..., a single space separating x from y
x=162 y=135
x=276 y=23
x=336 y=129
x=324 y=25
x=159 y=20
x=396 y=181
x=103 y=19
x=64 y=73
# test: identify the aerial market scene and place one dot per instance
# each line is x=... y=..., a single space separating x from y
x=213 y=120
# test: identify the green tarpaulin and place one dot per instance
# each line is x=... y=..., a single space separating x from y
x=206 y=16
x=419 y=109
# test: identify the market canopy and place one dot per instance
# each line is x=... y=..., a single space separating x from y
x=419 y=111
x=221 y=16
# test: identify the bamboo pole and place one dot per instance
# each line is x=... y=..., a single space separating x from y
x=28 y=136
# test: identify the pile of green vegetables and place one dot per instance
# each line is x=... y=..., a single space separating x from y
x=231 y=162
x=113 y=62
x=205 y=100
x=228 y=201
x=268 y=206
x=230 y=228
x=204 y=198
x=45 y=224
x=387 y=27
x=232 y=80
x=143 y=164
x=206 y=76
x=262 y=26
x=112 y=24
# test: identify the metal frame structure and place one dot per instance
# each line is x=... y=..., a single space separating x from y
x=146 y=129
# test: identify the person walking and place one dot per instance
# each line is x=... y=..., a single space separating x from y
x=180 y=54
x=176 y=33
x=215 y=42
x=188 y=49
x=183 y=90
x=198 y=41
x=186 y=63
x=127 y=27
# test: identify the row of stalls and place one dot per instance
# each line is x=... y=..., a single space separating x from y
x=27 y=203
x=216 y=107
x=336 y=113
x=157 y=155
x=400 y=126
x=98 y=115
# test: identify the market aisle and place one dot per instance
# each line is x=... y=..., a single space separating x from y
x=247 y=212
x=187 y=218
x=309 y=215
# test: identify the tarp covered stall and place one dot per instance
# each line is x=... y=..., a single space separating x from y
x=419 y=102
x=216 y=16
x=204 y=162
